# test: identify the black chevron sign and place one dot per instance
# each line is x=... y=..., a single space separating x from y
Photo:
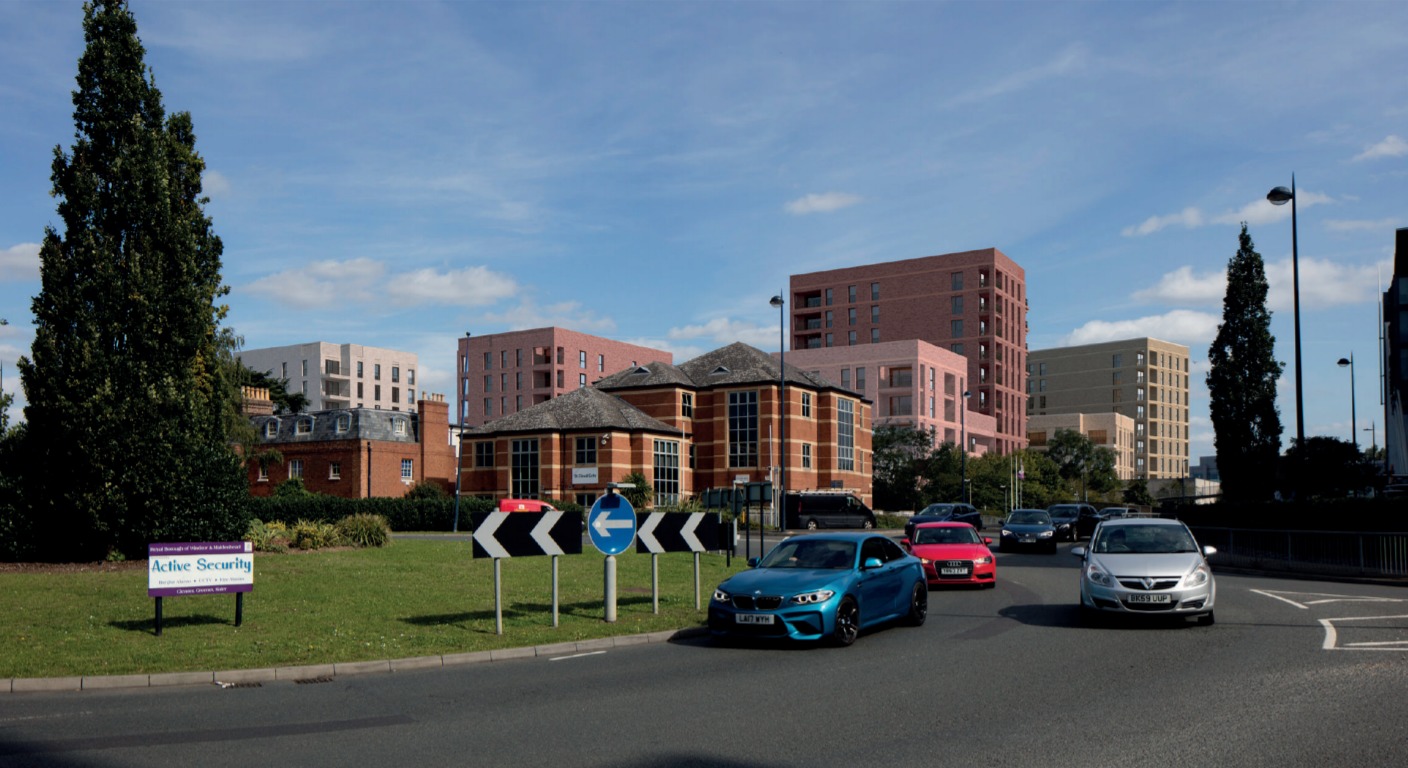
x=524 y=534
x=658 y=532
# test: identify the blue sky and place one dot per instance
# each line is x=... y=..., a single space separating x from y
x=398 y=173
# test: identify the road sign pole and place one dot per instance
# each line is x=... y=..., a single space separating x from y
x=655 y=584
x=554 y=590
x=498 y=597
x=696 y=581
x=610 y=589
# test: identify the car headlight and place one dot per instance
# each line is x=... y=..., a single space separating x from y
x=1006 y=532
x=982 y=560
x=721 y=596
x=1045 y=534
x=809 y=598
x=1098 y=576
x=925 y=560
x=1198 y=577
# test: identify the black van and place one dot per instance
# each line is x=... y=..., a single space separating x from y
x=826 y=510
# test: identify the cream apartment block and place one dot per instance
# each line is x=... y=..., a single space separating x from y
x=336 y=376
x=1145 y=379
x=973 y=303
x=909 y=383
x=1107 y=430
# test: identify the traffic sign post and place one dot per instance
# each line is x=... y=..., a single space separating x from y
x=675 y=532
x=523 y=534
x=612 y=527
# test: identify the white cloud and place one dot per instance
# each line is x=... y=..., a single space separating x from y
x=1188 y=217
x=722 y=331
x=20 y=262
x=366 y=281
x=1260 y=211
x=566 y=314
x=823 y=203
x=1391 y=146
x=1181 y=286
x=1351 y=225
x=1323 y=283
x=215 y=185
x=1181 y=326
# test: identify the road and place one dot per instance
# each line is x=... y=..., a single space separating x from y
x=1294 y=673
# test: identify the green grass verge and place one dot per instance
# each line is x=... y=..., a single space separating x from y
x=411 y=598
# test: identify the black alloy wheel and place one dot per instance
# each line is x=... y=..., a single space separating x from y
x=847 y=623
x=811 y=524
x=918 y=605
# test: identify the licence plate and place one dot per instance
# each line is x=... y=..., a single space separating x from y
x=1028 y=539
x=952 y=571
x=1150 y=598
x=753 y=618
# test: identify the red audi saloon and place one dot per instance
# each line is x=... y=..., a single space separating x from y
x=953 y=553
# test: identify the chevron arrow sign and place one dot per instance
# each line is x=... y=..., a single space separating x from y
x=524 y=534
x=658 y=532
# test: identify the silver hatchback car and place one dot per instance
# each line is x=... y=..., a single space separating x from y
x=1146 y=566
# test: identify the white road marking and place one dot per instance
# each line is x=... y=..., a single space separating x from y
x=1325 y=598
x=1332 y=636
x=577 y=655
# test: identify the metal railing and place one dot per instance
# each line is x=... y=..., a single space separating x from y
x=1325 y=553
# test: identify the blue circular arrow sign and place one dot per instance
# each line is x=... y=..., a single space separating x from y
x=612 y=524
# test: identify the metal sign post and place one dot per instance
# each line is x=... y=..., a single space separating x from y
x=612 y=527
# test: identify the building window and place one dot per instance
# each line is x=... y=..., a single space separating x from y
x=830 y=340
x=488 y=382
x=376 y=393
x=518 y=403
x=523 y=469
x=955 y=281
x=271 y=428
x=488 y=407
x=956 y=328
x=518 y=380
x=874 y=335
x=829 y=316
x=303 y=426
x=396 y=374
x=1117 y=360
x=957 y=349
x=406 y=470
x=376 y=371
x=956 y=304
x=518 y=358
x=1117 y=378
x=806 y=456
x=503 y=358
x=344 y=423
x=582 y=360
x=334 y=470
x=687 y=405
x=860 y=380
x=488 y=361
x=806 y=405
x=828 y=297
x=263 y=473
x=874 y=291
x=581 y=380
x=586 y=452
x=295 y=468
x=875 y=313
x=559 y=379
x=845 y=378
x=484 y=454
x=359 y=369
x=503 y=382
x=851 y=315
x=846 y=435
x=851 y=293
x=411 y=377
x=667 y=472
x=743 y=429
x=601 y=363
x=398 y=426
x=395 y=394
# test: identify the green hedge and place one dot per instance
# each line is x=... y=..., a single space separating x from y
x=402 y=514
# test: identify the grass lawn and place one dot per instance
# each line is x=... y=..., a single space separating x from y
x=412 y=598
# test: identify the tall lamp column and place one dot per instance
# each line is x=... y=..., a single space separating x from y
x=1353 y=417
x=963 y=449
x=1279 y=196
x=459 y=449
x=780 y=494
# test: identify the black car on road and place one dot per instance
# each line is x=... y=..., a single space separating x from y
x=1066 y=518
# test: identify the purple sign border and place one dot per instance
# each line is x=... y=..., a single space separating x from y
x=199 y=548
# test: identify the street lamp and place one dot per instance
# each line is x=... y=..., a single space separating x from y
x=459 y=449
x=1353 y=419
x=963 y=452
x=780 y=497
x=1279 y=196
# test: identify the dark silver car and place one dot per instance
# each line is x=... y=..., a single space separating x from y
x=1146 y=566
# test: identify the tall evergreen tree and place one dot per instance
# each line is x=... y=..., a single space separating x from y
x=129 y=386
x=1242 y=382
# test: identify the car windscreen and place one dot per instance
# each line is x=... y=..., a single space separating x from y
x=1029 y=518
x=1144 y=540
x=1062 y=511
x=811 y=553
x=945 y=536
x=935 y=510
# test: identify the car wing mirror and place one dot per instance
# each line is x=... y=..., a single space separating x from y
x=1209 y=551
x=1078 y=551
x=904 y=543
x=753 y=562
x=987 y=540
x=871 y=562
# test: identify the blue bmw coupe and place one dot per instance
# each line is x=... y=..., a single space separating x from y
x=822 y=587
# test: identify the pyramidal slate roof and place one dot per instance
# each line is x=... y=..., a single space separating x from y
x=737 y=363
x=586 y=408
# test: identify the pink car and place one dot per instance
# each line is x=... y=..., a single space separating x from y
x=953 y=553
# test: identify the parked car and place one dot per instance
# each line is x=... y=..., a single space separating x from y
x=825 y=586
x=953 y=553
x=813 y=510
x=1065 y=517
x=1028 y=528
x=1146 y=566
x=944 y=513
x=525 y=505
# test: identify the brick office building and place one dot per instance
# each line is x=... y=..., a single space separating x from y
x=501 y=374
x=354 y=452
x=973 y=303
x=691 y=427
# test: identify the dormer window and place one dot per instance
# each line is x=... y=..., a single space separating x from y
x=721 y=370
x=399 y=426
x=271 y=428
x=304 y=426
x=344 y=423
x=642 y=370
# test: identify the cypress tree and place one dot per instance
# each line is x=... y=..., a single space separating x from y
x=128 y=386
x=1242 y=382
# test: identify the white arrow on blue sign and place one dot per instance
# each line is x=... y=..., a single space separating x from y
x=612 y=524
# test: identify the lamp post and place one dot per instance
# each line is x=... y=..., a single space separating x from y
x=1279 y=196
x=963 y=450
x=459 y=448
x=780 y=495
x=1353 y=418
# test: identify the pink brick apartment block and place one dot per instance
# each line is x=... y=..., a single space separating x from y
x=503 y=373
x=973 y=303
